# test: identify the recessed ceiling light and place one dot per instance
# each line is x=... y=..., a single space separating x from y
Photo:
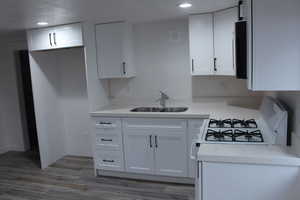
x=42 y=23
x=185 y=5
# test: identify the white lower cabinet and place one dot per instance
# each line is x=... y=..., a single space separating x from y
x=108 y=151
x=109 y=160
x=229 y=181
x=143 y=146
x=139 y=154
x=156 y=146
x=170 y=153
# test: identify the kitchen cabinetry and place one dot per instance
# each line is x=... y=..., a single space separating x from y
x=274 y=42
x=108 y=151
x=201 y=44
x=114 y=50
x=64 y=36
x=148 y=142
x=139 y=152
x=248 y=182
x=224 y=42
x=212 y=43
x=146 y=146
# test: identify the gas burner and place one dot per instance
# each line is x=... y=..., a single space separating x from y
x=247 y=136
x=219 y=135
x=213 y=123
x=237 y=123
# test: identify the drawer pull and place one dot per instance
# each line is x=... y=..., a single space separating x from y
x=109 y=161
x=106 y=140
x=106 y=123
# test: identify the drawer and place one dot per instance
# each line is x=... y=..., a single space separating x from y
x=175 y=124
x=107 y=124
x=109 y=160
x=109 y=140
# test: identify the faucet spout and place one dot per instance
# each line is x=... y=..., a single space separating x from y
x=162 y=99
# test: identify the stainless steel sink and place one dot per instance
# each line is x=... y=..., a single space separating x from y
x=159 y=109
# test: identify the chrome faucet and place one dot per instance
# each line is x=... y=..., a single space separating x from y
x=162 y=99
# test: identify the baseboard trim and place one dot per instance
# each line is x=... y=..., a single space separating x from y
x=5 y=149
x=154 y=178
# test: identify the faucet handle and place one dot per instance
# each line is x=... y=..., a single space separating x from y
x=164 y=95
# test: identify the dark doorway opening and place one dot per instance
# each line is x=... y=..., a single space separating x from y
x=27 y=102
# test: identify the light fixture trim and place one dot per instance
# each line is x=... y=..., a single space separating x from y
x=185 y=5
x=42 y=23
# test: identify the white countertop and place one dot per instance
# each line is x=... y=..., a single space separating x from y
x=252 y=154
x=195 y=111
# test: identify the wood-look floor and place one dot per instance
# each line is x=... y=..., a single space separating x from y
x=72 y=178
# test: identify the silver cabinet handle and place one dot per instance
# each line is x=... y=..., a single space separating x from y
x=156 y=144
x=193 y=65
x=106 y=123
x=150 y=138
x=233 y=54
x=110 y=161
x=54 y=36
x=124 y=68
x=106 y=140
x=215 y=64
x=50 y=38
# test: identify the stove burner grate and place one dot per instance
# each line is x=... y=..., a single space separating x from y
x=248 y=136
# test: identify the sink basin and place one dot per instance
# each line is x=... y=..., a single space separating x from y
x=159 y=109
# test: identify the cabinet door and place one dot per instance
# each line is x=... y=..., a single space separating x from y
x=276 y=45
x=139 y=153
x=171 y=153
x=110 y=50
x=68 y=36
x=224 y=41
x=249 y=182
x=201 y=44
x=40 y=39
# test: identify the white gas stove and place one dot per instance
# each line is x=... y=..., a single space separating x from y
x=232 y=131
x=270 y=128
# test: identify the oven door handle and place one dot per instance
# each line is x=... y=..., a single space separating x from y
x=192 y=150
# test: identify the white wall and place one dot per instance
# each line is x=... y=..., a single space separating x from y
x=11 y=132
x=74 y=101
x=162 y=62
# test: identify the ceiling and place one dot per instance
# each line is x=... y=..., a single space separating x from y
x=23 y=14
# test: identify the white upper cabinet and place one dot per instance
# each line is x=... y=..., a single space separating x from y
x=274 y=38
x=114 y=50
x=224 y=41
x=212 y=43
x=201 y=44
x=64 y=36
x=68 y=36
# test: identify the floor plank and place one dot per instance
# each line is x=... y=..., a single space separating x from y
x=72 y=178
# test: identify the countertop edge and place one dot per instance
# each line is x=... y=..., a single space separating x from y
x=152 y=115
x=251 y=160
